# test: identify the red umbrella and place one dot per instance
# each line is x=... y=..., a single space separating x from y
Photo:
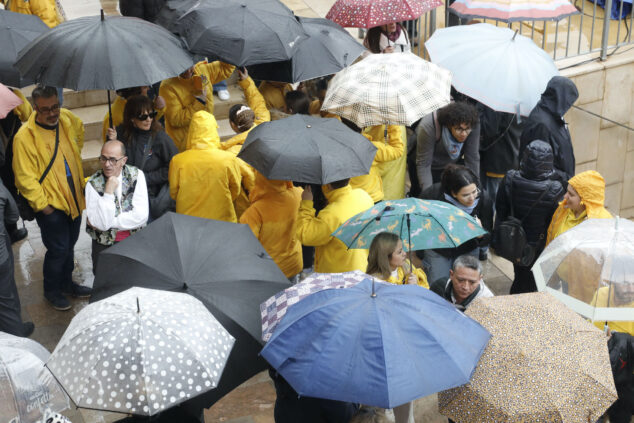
x=370 y=13
x=8 y=101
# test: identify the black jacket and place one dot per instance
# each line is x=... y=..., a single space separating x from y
x=546 y=123
x=499 y=140
x=484 y=212
x=523 y=187
x=144 y=9
x=156 y=167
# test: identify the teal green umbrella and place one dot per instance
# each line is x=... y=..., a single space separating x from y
x=421 y=224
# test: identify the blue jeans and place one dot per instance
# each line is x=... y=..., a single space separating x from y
x=59 y=235
x=222 y=85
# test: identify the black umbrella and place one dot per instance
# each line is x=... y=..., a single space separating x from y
x=98 y=52
x=307 y=149
x=241 y=32
x=328 y=49
x=220 y=263
x=16 y=31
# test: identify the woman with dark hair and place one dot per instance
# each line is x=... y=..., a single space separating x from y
x=449 y=135
x=388 y=38
x=149 y=148
x=459 y=186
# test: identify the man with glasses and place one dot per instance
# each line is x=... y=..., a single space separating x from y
x=465 y=283
x=52 y=139
x=116 y=200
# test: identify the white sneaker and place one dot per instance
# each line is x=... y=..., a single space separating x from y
x=223 y=95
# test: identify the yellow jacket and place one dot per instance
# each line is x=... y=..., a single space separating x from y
x=392 y=171
x=272 y=217
x=273 y=94
x=398 y=280
x=33 y=149
x=332 y=255
x=204 y=180
x=372 y=183
x=24 y=110
x=601 y=300
x=44 y=9
x=257 y=104
x=181 y=103
x=118 y=105
x=590 y=186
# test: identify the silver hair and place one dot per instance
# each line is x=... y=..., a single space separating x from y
x=468 y=261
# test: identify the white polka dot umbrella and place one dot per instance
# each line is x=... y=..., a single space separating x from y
x=141 y=351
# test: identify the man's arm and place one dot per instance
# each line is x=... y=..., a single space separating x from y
x=312 y=231
x=140 y=207
x=252 y=217
x=100 y=210
x=26 y=172
x=425 y=143
x=471 y=150
x=177 y=113
x=394 y=147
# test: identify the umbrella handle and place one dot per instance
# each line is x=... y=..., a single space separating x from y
x=109 y=106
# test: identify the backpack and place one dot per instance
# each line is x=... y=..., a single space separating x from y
x=509 y=239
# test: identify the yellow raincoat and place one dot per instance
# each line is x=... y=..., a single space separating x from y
x=590 y=186
x=204 y=180
x=372 y=182
x=33 y=149
x=601 y=300
x=44 y=9
x=24 y=110
x=392 y=171
x=257 y=104
x=117 y=116
x=332 y=255
x=272 y=217
x=181 y=103
x=400 y=276
x=273 y=94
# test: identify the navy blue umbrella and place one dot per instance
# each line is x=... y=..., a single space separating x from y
x=375 y=344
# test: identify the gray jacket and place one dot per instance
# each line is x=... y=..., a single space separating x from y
x=430 y=153
x=10 y=214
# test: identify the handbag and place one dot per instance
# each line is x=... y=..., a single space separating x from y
x=24 y=208
x=509 y=238
x=162 y=202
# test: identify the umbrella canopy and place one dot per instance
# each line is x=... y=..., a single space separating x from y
x=514 y=10
x=328 y=49
x=421 y=224
x=493 y=65
x=543 y=363
x=393 y=89
x=16 y=31
x=241 y=32
x=407 y=342
x=141 y=351
x=8 y=101
x=307 y=149
x=370 y=13
x=590 y=268
x=27 y=388
x=275 y=308
x=222 y=264
x=103 y=53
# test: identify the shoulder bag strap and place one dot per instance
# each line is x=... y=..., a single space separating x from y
x=534 y=204
x=50 y=164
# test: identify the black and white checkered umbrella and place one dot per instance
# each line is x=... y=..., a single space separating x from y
x=395 y=89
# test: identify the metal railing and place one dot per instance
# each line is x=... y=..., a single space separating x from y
x=590 y=31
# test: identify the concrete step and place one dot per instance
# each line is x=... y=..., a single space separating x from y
x=221 y=108
x=90 y=156
x=92 y=117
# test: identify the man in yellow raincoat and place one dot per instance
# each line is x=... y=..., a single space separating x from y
x=59 y=199
x=272 y=217
x=44 y=9
x=189 y=93
x=205 y=180
x=332 y=255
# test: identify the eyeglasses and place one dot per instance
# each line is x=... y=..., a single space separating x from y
x=144 y=116
x=112 y=160
x=46 y=110
x=460 y=129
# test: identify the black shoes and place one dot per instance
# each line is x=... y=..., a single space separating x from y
x=483 y=255
x=58 y=301
x=18 y=235
x=78 y=291
x=27 y=329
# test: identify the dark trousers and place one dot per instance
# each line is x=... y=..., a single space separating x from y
x=10 y=318
x=620 y=412
x=59 y=235
x=524 y=280
x=96 y=249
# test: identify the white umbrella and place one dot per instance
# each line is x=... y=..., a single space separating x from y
x=590 y=268
x=140 y=352
x=394 y=89
x=27 y=389
x=493 y=65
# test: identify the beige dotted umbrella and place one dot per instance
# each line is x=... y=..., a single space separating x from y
x=543 y=363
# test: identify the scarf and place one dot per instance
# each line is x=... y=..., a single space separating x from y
x=461 y=206
x=393 y=36
x=453 y=147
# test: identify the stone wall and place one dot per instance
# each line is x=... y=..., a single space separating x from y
x=605 y=88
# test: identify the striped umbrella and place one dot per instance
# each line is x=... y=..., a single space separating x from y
x=514 y=10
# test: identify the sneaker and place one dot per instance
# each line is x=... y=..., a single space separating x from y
x=78 y=291
x=27 y=329
x=223 y=95
x=483 y=255
x=58 y=302
x=18 y=235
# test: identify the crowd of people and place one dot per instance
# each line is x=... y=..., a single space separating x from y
x=162 y=152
